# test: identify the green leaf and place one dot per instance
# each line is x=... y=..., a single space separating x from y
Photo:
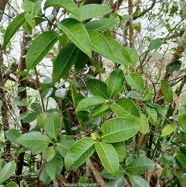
x=12 y=135
x=97 y=88
x=135 y=80
x=181 y=156
x=139 y=165
x=11 y=184
x=153 y=114
x=119 y=129
x=173 y=66
x=116 y=182
x=54 y=167
x=155 y=44
x=115 y=83
x=138 y=181
x=181 y=177
x=108 y=157
x=93 y=10
x=69 y=5
x=52 y=125
x=12 y=28
x=34 y=140
x=125 y=107
x=120 y=150
x=89 y=103
x=44 y=177
x=168 y=130
x=133 y=56
x=79 y=153
x=7 y=171
x=167 y=91
x=144 y=124
x=77 y=33
x=100 y=110
x=182 y=120
x=101 y=25
x=36 y=107
x=49 y=153
x=40 y=47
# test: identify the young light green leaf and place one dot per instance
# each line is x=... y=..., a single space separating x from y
x=11 y=184
x=101 y=25
x=33 y=139
x=97 y=88
x=68 y=5
x=12 y=135
x=115 y=83
x=93 y=10
x=7 y=171
x=77 y=33
x=138 y=181
x=135 y=80
x=108 y=157
x=100 y=110
x=125 y=107
x=139 y=165
x=119 y=129
x=167 y=91
x=89 y=102
x=52 y=125
x=155 y=44
x=48 y=153
x=54 y=166
x=16 y=23
x=168 y=130
x=79 y=153
x=40 y=47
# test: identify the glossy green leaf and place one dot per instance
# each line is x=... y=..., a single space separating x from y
x=108 y=156
x=79 y=153
x=48 y=153
x=97 y=88
x=100 y=110
x=155 y=44
x=139 y=165
x=12 y=135
x=119 y=129
x=135 y=80
x=115 y=83
x=120 y=150
x=168 y=130
x=52 y=125
x=173 y=66
x=167 y=91
x=12 y=28
x=11 y=184
x=93 y=10
x=125 y=108
x=138 y=181
x=155 y=106
x=182 y=120
x=7 y=170
x=116 y=182
x=40 y=47
x=77 y=33
x=68 y=5
x=54 y=167
x=101 y=25
x=34 y=140
x=89 y=102
x=144 y=124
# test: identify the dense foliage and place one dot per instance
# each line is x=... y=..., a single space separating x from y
x=97 y=97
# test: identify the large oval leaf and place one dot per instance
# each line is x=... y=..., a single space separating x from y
x=119 y=129
x=93 y=10
x=16 y=23
x=68 y=5
x=139 y=165
x=115 y=83
x=77 y=33
x=79 y=153
x=40 y=47
x=89 y=102
x=125 y=107
x=101 y=25
x=97 y=87
x=108 y=156
x=135 y=80
x=138 y=181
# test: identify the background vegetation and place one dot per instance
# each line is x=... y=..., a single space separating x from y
x=93 y=93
